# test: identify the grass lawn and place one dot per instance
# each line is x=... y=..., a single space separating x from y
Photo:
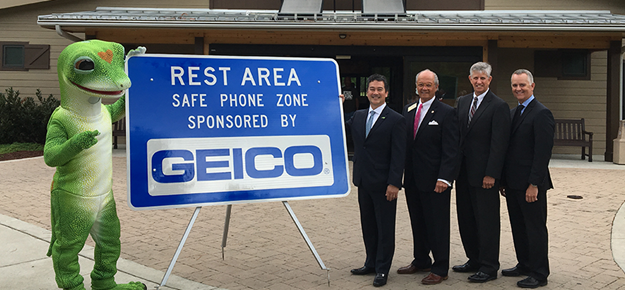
x=15 y=147
x=20 y=150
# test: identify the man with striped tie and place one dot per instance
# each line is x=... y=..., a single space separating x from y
x=484 y=121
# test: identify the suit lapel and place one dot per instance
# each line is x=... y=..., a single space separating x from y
x=463 y=110
x=529 y=108
x=410 y=116
x=483 y=107
x=360 y=122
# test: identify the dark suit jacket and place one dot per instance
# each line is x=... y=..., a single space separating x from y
x=531 y=141
x=484 y=142
x=433 y=153
x=379 y=158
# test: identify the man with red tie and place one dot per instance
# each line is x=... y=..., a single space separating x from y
x=431 y=152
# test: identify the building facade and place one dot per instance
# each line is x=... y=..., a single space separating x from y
x=575 y=53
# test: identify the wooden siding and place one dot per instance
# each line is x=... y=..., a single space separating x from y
x=14 y=3
x=445 y=5
x=349 y=5
x=578 y=40
x=615 y=6
x=403 y=38
x=20 y=24
x=567 y=99
x=246 y=4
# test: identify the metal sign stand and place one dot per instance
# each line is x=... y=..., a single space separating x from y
x=225 y=238
x=308 y=242
x=226 y=227
x=179 y=249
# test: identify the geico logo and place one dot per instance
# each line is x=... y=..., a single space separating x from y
x=197 y=165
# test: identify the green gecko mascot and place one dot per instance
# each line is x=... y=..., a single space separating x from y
x=78 y=144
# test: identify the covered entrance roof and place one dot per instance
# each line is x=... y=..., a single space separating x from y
x=489 y=20
x=208 y=30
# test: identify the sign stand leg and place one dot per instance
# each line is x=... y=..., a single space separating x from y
x=226 y=227
x=182 y=241
x=308 y=242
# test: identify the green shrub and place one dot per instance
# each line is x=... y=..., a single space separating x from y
x=24 y=120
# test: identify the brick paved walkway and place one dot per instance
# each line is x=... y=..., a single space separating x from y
x=265 y=250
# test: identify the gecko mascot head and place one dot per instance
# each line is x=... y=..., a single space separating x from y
x=78 y=144
x=91 y=70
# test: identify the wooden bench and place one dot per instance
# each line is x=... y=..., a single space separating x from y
x=119 y=129
x=570 y=132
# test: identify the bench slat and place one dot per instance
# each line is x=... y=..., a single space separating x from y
x=572 y=132
x=119 y=129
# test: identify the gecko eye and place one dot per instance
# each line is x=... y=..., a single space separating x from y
x=84 y=65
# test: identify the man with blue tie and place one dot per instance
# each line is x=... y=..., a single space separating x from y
x=431 y=154
x=379 y=135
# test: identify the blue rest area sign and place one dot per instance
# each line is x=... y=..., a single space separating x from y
x=207 y=130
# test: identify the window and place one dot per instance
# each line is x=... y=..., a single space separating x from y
x=565 y=64
x=575 y=64
x=13 y=56
x=24 y=56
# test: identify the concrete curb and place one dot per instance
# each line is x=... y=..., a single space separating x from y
x=618 y=237
x=27 y=263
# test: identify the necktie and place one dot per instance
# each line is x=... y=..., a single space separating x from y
x=517 y=115
x=417 y=119
x=369 y=123
x=472 y=111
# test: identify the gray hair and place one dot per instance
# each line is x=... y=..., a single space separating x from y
x=435 y=76
x=481 y=67
x=521 y=71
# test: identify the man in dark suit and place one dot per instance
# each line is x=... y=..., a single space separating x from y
x=379 y=135
x=431 y=152
x=526 y=181
x=484 y=122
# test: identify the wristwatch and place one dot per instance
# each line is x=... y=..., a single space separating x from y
x=534 y=185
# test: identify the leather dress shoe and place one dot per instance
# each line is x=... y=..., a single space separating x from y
x=514 y=272
x=465 y=268
x=363 y=271
x=531 y=282
x=380 y=279
x=481 y=277
x=433 y=279
x=411 y=269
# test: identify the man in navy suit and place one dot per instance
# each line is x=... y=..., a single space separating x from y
x=379 y=135
x=484 y=132
x=431 y=152
x=526 y=181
